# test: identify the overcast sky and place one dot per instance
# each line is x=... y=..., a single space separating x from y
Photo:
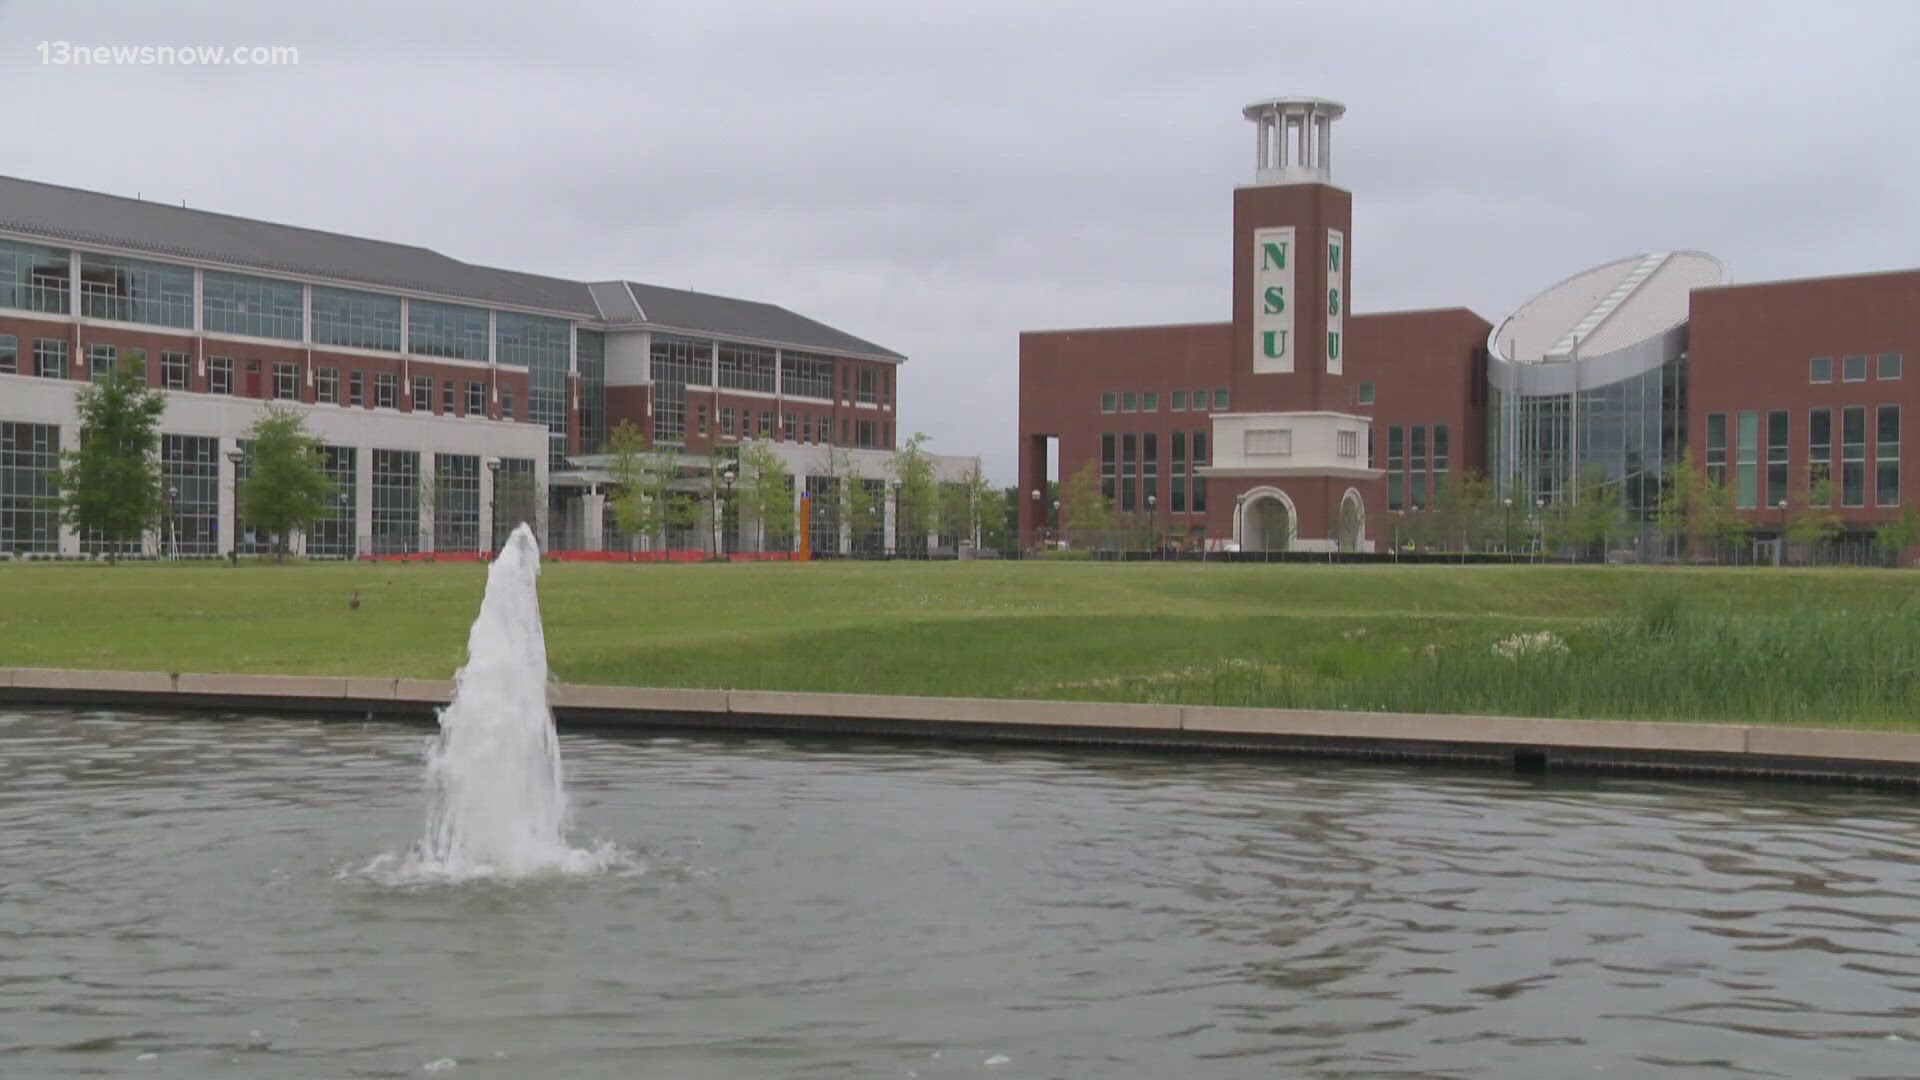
x=939 y=177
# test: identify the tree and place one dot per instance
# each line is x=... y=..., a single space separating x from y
x=287 y=485
x=1715 y=520
x=1088 y=511
x=641 y=478
x=986 y=509
x=767 y=491
x=111 y=484
x=1817 y=522
x=1899 y=533
x=916 y=502
x=1463 y=511
x=1682 y=498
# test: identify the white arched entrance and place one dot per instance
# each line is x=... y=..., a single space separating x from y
x=1350 y=524
x=1265 y=520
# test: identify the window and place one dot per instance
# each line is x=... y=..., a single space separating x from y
x=422 y=394
x=447 y=407
x=286 y=382
x=1440 y=457
x=9 y=354
x=844 y=437
x=1889 y=366
x=1417 y=468
x=1109 y=466
x=806 y=425
x=1269 y=442
x=1717 y=449
x=726 y=421
x=50 y=358
x=100 y=360
x=806 y=375
x=1746 y=462
x=29 y=518
x=357 y=320
x=1129 y=470
x=1129 y=402
x=547 y=348
x=476 y=398
x=866 y=434
x=333 y=532
x=448 y=330
x=701 y=413
x=1777 y=430
x=506 y=403
x=1177 y=479
x=174 y=369
x=133 y=290
x=1886 y=458
x=1820 y=369
x=190 y=475
x=670 y=412
x=1199 y=481
x=1219 y=400
x=747 y=367
x=326 y=386
x=766 y=424
x=1853 y=457
x=789 y=427
x=680 y=360
x=456 y=502
x=1108 y=401
x=251 y=306
x=356 y=389
x=1198 y=401
x=1820 y=457
x=34 y=278
x=396 y=500
x=1150 y=402
x=886 y=393
x=1178 y=402
x=1150 y=471
x=386 y=390
x=1853 y=369
x=1364 y=396
x=220 y=375
x=1349 y=444
x=1396 y=461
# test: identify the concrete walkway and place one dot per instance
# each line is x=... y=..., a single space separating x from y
x=1521 y=743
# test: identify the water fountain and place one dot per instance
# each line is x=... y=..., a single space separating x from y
x=497 y=805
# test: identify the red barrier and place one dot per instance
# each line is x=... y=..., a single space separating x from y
x=679 y=556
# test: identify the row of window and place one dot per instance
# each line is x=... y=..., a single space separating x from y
x=161 y=294
x=1130 y=471
x=50 y=361
x=1413 y=475
x=1886 y=368
x=1762 y=471
x=1149 y=401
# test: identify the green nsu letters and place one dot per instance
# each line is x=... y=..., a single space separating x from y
x=1274 y=342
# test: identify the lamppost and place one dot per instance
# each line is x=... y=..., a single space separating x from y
x=1053 y=522
x=1153 y=521
x=1509 y=526
x=235 y=455
x=1540 y=521
x=899 y=520
x=493 y=503
x=173 y=527
x=1780 y=551
x=344 y=502
x=1039 y=517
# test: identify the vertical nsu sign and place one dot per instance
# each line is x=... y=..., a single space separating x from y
x=1336 y=300
x=1273 y=340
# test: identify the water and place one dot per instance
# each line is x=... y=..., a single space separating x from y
x=497 y=804
x=187 y=888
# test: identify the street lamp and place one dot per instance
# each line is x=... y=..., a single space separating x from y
x=1509 y=525
x=726 y=480
x=1153 y=521
x=1540 y=520
x=173 y=527
x=493 y=502
x=1039 y=516
x=1780 y=552
x=900 y=522
x=235 y=455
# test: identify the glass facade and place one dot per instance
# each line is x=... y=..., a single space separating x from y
x=544 y=347
x=356 y=320
x=590 y=353
x=251 y=306
x=456 y=502
x=331 y=534
x=133 y=290
x=516 y=498
x=190 y=475
x=396 y=501
x=28 y=455
x=1541 y=444
x=449 y=330
x=35 y=278
x=746 y=367
x=807 y=375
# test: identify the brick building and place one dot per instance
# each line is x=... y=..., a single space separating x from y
x=1300 y=424
x=427 y=378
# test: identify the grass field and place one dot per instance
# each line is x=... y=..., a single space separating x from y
x=1821 y=647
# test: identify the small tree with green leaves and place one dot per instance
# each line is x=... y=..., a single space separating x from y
x=1088 y=513
x=1814 y=522
x=110 y=485
x=985 y=508
x=287 y=485
x=916 y=492
x=767 y=492
x=1715 y=519
x=1900 y=532
x=642 y=479
x=1682 y=495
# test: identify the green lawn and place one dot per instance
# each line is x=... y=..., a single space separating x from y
x=1788 y=645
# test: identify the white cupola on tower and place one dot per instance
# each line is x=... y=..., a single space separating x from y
x=1294 y=140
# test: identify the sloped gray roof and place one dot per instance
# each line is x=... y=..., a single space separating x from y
x=726 y=316
x=90 y=217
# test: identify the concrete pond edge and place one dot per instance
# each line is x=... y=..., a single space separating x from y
x=1521 y=743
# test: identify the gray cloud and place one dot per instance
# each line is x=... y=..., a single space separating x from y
x=940 y=177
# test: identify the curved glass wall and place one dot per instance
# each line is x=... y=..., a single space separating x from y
x=1627 y=429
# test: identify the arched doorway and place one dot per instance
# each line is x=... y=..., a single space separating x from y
x=1351 y=525
x=1267 y=521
